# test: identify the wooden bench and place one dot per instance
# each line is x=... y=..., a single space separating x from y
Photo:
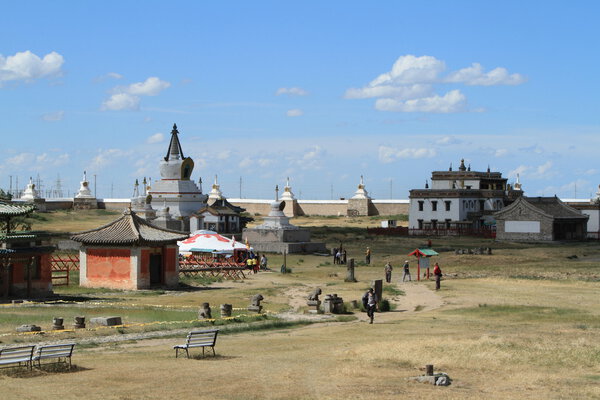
x=17 y=355
x=198 y=339
x=62 y=352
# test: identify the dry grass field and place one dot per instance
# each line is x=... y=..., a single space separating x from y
x=522 y=323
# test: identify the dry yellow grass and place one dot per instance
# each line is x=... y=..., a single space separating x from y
x=521 y=324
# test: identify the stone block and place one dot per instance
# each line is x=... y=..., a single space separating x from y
x=106 y=321
x=28 y=328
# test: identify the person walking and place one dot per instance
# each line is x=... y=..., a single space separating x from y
x=388 y=272
x=370 y=301
x=263 y=263
x=368 y=256
x=437 y=272
x=406 y=272
x=335 y=252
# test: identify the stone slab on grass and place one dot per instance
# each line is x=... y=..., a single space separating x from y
x=106 y=321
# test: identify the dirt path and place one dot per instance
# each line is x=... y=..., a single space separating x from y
x=418 y=298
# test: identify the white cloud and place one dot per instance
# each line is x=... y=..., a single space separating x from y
x=26 y=66
x=121 y=101
x=543 y=171
x=264 y=162
x=451 y=102
x=410 y=70
x=128 y=97
x=106 y=157
x=448 y=140
x=296 y=112
x=53 y=116
x=474 y=75
x=156 y=138
x=579 y=188
x=223 y=155
x=293 y=91
x=389 y=154
x=410 y=85
x=246 y=162
x=150 y=87
x=501 y=152
x=397 y=92
x=114 y=75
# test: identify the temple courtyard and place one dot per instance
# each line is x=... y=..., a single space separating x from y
x=521 y=323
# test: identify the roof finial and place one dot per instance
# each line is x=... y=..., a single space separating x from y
x=462 y=165
x=469 y=167
x=488 y=170
x=426 y=184
x=276 y=192
x=450 y=169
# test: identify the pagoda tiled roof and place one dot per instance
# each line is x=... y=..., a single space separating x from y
x=14 y=210
x=129 y=230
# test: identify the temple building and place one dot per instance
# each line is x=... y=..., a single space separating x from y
x=175 y=189
x=219 y=215
x=25 y=269
x=459 y=200
x=129 y=253
x=540 y=219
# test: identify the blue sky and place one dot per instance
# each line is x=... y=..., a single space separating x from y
x=322 y=92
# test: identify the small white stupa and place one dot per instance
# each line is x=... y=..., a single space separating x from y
x=215 y=193
x=84 y=189
x=287 y=191
x=518 y=184
x=30 y=193
x=361 y=193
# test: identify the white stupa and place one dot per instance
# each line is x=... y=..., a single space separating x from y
x=175 y=188
x=215 y=193
x=518 y=184
x=287 y=191
x=84 y=189
x=361 y=193
x=30 y=193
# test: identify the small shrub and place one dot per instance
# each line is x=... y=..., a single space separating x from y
x=384 y=305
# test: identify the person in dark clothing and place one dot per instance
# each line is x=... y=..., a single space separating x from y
x=437 y=272
x=406 y=272
x=370 y=301
x=335 y=252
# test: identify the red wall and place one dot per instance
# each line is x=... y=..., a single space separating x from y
x=109 y=268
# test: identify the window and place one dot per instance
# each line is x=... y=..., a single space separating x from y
x=448 y=221
x=434 y=206
x=434 y=224
x=481 y=205
x=420 y=222
x=421 y=205
x=447 y=203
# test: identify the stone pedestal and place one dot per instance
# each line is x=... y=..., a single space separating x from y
x=79 y=323
x=226 y=310
x=313 y=306
x=350 y=271
x=333 y=304
x=57 y=324
x=205 y=312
